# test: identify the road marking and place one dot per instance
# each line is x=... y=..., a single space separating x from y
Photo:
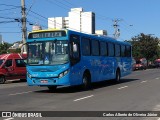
x=157 y=78
x=21 y=93
x=83 y=98
x=122 y=87
x=8 y=119
x=156 y=108
x=144 y=81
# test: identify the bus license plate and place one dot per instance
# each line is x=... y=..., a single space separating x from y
x=44 y=81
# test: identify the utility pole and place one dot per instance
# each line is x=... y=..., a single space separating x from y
x=24 y=29
x=116 y=29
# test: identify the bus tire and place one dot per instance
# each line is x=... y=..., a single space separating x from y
x=52 y=88
x=118 y=76
x=2 y=79
x=86 y=82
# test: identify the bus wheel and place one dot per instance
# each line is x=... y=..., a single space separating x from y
x=86 y=82
x=118 y=76
x=52 y=88
x=2 y=80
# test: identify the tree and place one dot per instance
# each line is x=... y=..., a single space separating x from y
x=4 y=48
x=145 y=46
x=17 y=50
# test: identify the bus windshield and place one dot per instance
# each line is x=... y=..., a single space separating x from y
x=48 y=53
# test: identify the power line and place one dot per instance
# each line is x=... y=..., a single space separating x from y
x=65 y=5
x=39 y=15
x=7 y=18
x=9 y=5
x=68 y=3
x=9 y=9
x=60 y=5
x=32 y=23
x=99 y=16
x=52 y=20
x=30 y=7
x=102 y=17
x=33 y=16
x=7 y=22
x=68 y=7
x=10 y=32
x=55 y=2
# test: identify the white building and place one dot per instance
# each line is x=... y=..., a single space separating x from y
x=77 y=20
x=58 y=22
x=36 y=27
x=101 y=32
x=88 y=22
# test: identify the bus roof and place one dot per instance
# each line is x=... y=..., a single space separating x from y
x=103 y=38
x=47 y=30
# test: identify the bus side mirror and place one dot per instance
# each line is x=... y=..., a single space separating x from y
x=24 y=46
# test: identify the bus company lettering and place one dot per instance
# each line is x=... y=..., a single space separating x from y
x=22 y=115
x=34 y=115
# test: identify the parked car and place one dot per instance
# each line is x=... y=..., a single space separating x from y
x=151 y=65
x=157 y=63
x=12 y=66
x=141 y=64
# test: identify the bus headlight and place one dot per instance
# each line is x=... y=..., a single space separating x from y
x=29 y=75
x=63 y=74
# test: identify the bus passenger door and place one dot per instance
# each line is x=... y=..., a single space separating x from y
x=75 y=59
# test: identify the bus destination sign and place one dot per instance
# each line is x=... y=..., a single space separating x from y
x=48 y=34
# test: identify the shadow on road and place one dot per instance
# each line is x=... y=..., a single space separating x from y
x=14 y=81
x=97 y=85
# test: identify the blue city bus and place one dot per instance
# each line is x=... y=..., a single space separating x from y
x=67 y=58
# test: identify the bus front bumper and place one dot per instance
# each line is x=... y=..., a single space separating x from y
x=48 y=81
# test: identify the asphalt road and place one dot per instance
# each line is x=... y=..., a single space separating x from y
x=136 y=92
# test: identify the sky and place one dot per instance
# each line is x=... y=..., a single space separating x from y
x=136 y=16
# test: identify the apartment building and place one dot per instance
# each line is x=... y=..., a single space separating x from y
x=77 y=20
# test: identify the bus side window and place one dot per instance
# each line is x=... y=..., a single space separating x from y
x=86 y=48
x=128 y=51
x=117 y=50
x=74 y=49
x=95 y=47
x=111 y=48
x=123 y=51
x=103 y=49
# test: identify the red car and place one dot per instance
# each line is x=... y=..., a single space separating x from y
x=12 y=66
x=141 y=64
x=157 y=63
